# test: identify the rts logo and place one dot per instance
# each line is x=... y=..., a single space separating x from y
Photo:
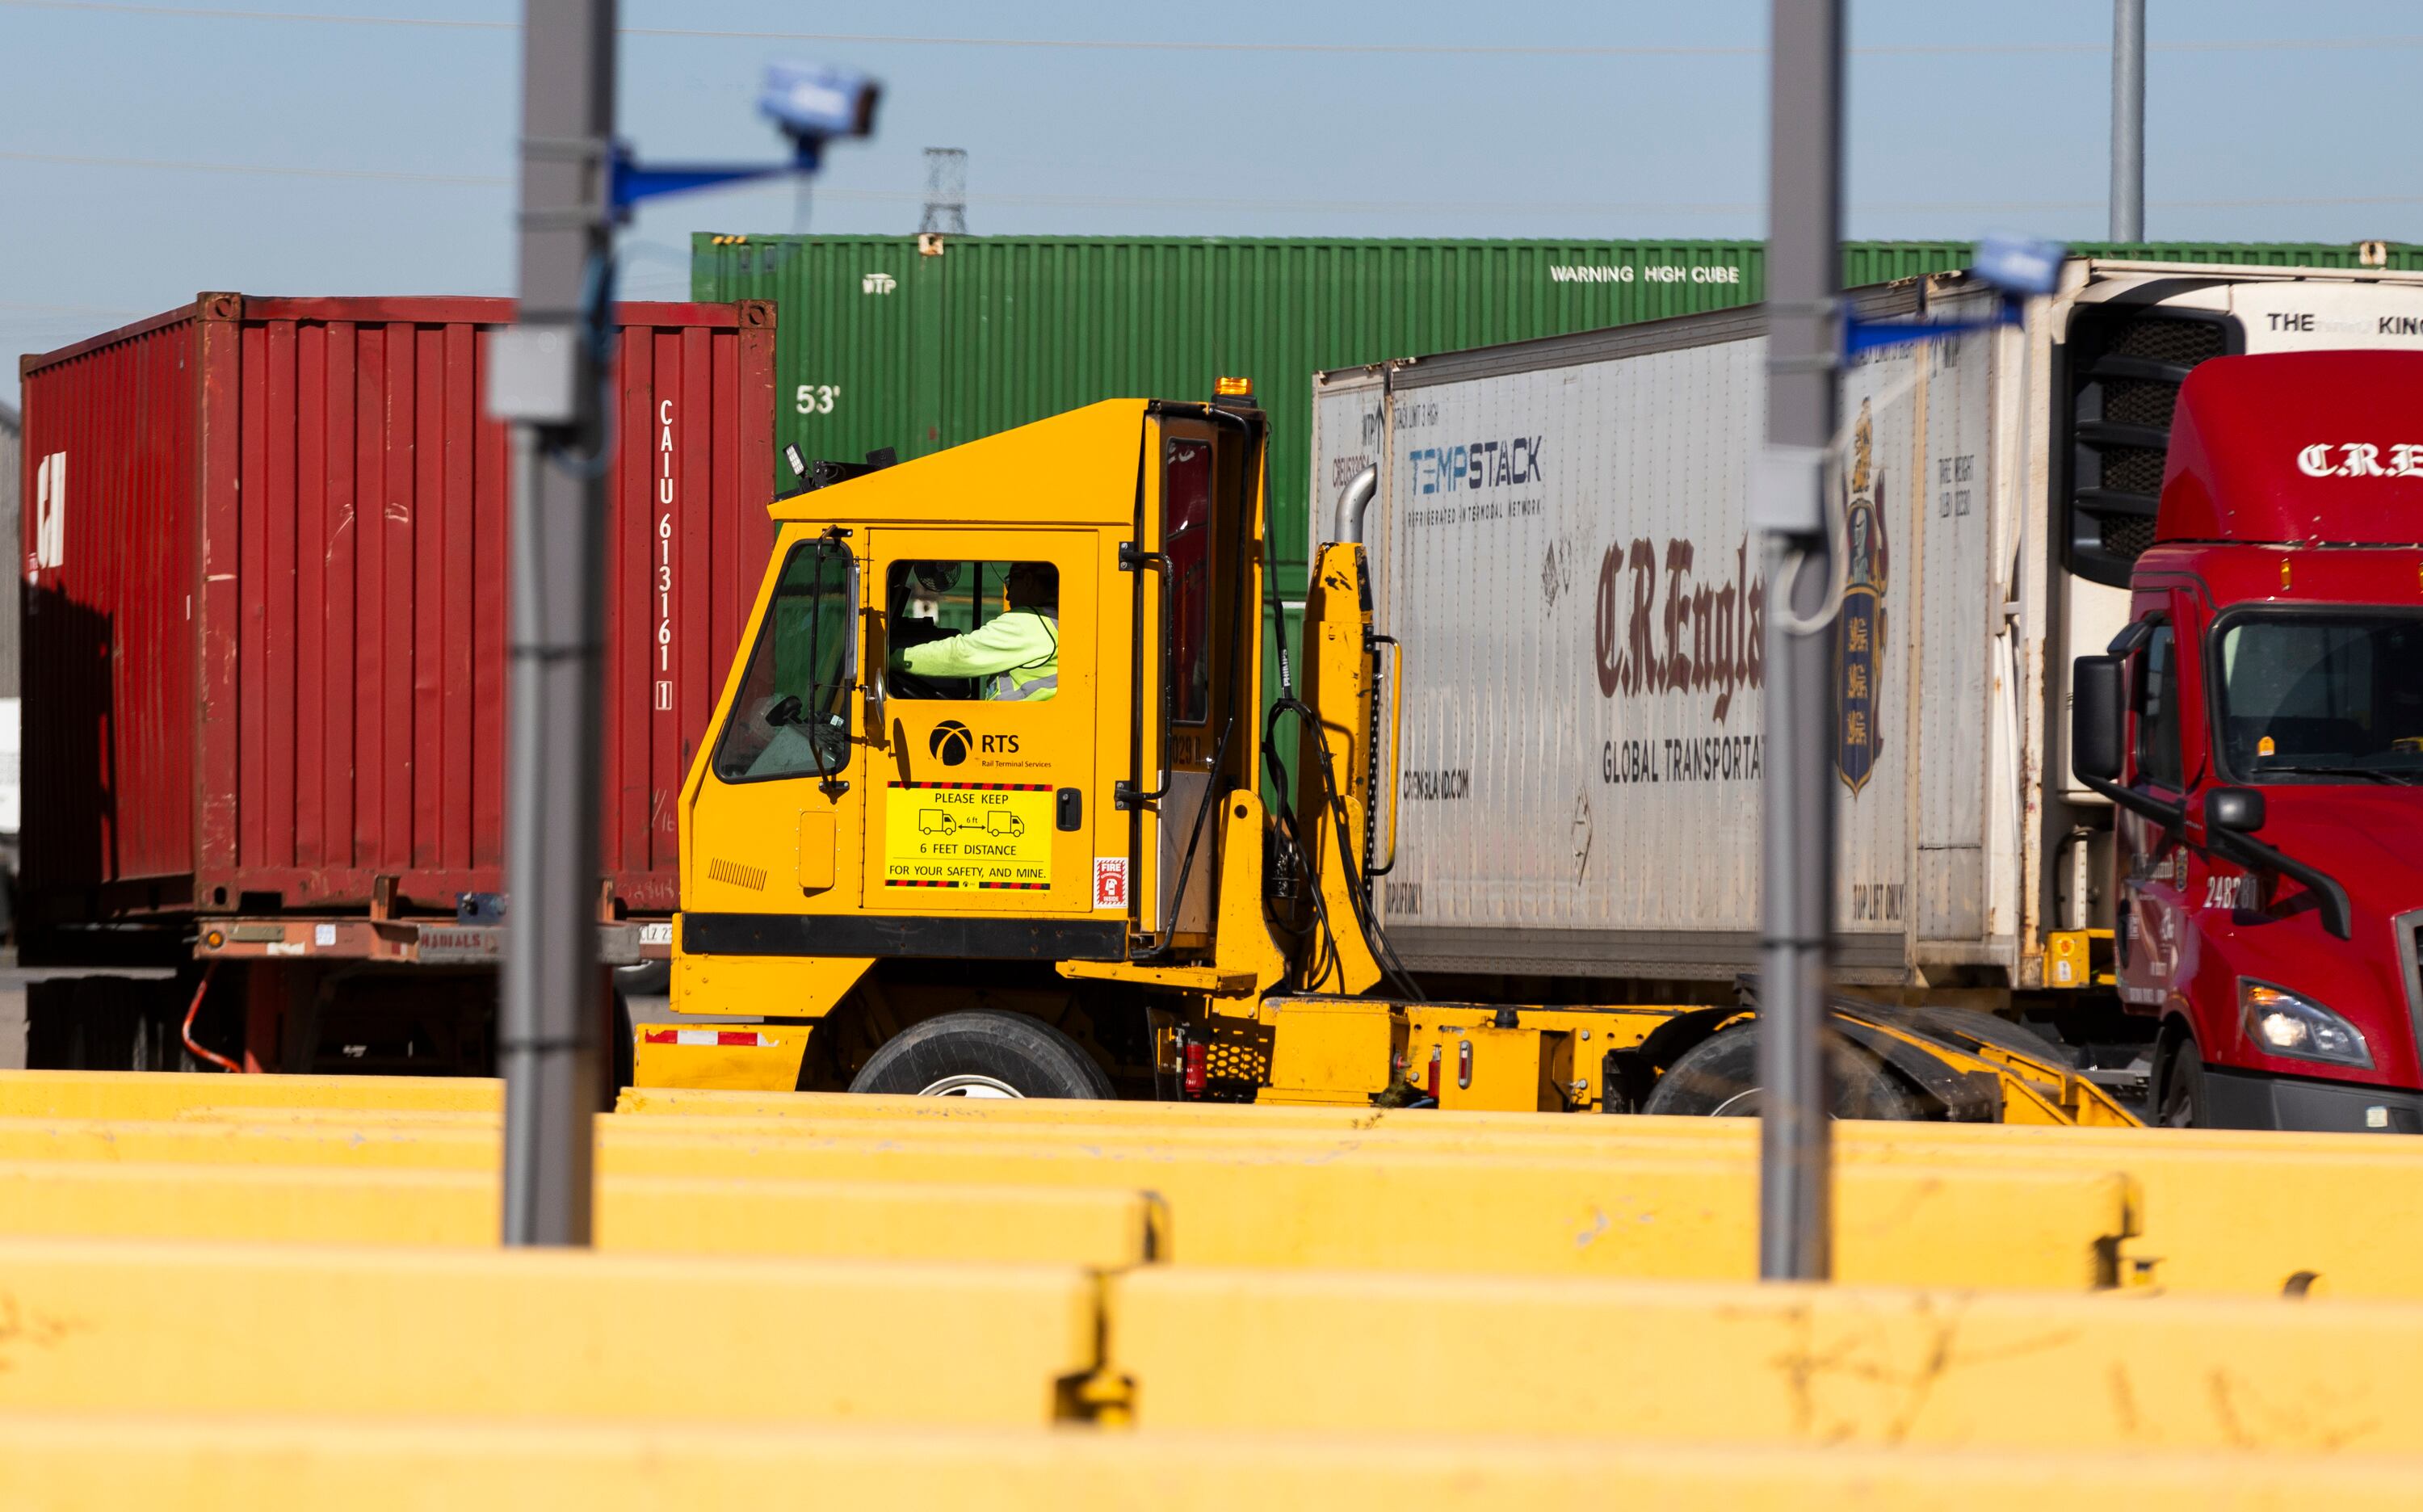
x=952 y=741
x=949 y=742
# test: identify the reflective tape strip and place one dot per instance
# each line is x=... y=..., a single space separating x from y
x=1007 y=690
x=747 y=1039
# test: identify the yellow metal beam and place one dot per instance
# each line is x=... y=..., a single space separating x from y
x=2225 y=1211
x=59 y=1462
x=1709 y=1363
x=1174 y=978
x=660 y=1215
x=1307 y=1203
x=155 y=1094
x=535 y=1334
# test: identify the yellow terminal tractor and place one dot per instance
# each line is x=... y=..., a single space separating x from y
x=983 y=813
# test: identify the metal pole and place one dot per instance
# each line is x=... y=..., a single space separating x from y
x=1803 y=279
x=2127 y=121
x=553 y=1011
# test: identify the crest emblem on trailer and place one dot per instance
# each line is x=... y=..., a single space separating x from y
x=1859 y=631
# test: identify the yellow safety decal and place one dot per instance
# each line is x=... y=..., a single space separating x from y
x=967 y=835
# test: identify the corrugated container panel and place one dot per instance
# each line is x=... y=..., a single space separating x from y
x=267 y=627
x=881 y=345
x=2397 y=256
x=107 y=651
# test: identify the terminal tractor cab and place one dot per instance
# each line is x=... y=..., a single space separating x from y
x=1018 y=788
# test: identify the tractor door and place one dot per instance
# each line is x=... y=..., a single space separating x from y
x=1197 y=614
x=2154 y=860
x=782 y=790
x=981 y=792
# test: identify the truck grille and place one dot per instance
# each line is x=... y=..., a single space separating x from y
x=2124 y=364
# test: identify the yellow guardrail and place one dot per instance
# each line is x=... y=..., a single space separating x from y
x=2221 y=1211
x=1252 y=1203
x=1704 y=1362
x=157 y=1094
x=1104 y=1228
x=533 y=1334
x=338 y=1334
x=2224 y=1210
x=202 y=1463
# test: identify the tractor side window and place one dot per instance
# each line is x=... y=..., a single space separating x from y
x=2158 y=711
x=792 y=716
x=973 y=630
x=1186 y=542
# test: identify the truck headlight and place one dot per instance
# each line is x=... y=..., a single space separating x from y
x=2281 y=1022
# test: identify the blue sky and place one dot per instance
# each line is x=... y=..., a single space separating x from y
x=2266 y=122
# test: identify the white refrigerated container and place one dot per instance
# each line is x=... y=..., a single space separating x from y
x=1560 y=546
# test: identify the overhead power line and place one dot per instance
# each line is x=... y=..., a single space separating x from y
x=281 y=170
x=1299 y=206
x=1151 y=45
x=14 y=306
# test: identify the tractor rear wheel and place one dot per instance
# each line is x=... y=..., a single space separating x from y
x=983 y=1053
x=1719 y=1078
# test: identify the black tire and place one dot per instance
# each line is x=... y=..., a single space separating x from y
x=649 y=978
x=983 y=1053
x=622 y=1053
x=1719 y=1078
x=2183 y=1104
x=117 y=1024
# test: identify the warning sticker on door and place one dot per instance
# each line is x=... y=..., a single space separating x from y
x=986 y=835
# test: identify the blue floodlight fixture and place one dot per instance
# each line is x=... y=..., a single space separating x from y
x=2020 y=266
x=2015 y=267
x=811 y=103
x=814 y=103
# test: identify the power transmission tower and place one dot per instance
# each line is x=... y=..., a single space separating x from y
x=946 y=191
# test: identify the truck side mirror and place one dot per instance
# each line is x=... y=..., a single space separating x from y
x=2234 y=808
x=2098 y=714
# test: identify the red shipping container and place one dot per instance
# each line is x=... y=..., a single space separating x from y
x=265 y=612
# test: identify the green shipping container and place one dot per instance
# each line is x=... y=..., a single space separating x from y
x=918 y=343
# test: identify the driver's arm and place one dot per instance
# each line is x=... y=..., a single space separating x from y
x=996 y=646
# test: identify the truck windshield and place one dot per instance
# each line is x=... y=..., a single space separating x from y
x=790 y=719
x=2322 y=696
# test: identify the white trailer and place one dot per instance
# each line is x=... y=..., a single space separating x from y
x=1560 y=547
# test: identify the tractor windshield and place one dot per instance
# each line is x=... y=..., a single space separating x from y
x=792 y=716
x=2322 y=695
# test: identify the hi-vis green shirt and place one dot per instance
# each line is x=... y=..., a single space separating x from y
x=1020 y=651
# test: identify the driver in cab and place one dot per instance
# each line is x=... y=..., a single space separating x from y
x=1017 y=651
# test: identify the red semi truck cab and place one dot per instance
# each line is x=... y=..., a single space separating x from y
x=2258 y=725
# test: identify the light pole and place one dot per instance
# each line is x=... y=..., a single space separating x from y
x=2127 y=121
x=547 y=373
x=1803 y=329
x=548 y=376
